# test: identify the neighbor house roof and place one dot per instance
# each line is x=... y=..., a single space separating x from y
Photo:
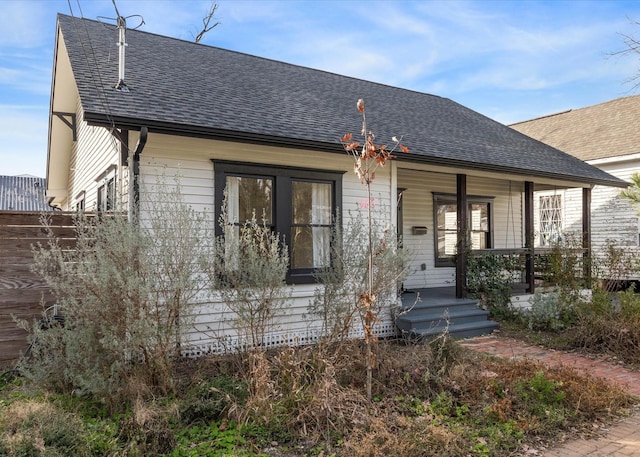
x=23 y=193
x=600 y=131
x=180 y=87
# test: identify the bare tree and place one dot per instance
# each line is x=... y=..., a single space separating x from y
x=632 y=46
x=206 y=22
x=367 y=157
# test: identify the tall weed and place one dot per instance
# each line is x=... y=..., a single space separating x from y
x=248 y=268
x=337 y=301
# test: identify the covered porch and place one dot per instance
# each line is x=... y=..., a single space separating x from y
x=446 y=218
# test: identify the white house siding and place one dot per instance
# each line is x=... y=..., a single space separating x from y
x=167 y=156
x=418 y=211
x=94 y=152
x=613 y=219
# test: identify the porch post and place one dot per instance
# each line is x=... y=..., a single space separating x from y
x=586 y=236
x=528 y=237
x=462 y=221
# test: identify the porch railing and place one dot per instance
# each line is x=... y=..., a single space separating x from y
x=545 y=273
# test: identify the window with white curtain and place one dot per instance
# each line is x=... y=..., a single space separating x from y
x=298 y=204
x=311 y=225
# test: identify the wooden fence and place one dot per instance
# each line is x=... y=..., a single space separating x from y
x=23 y=293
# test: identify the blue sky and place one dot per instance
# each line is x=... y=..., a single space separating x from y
x=509 y=60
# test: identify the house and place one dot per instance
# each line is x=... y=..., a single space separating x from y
x=605 y=136
x=23 y=193
x=214 y=115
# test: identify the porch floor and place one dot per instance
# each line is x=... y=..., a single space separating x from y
x=435 y=296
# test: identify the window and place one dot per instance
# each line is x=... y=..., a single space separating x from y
x=446 y=233
x=550 y=219
x=80 y=201
x=107 y=195
x=299 y=204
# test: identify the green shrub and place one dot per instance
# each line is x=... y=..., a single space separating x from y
x=490 y=278
x=249 y=268
x=543 y=397
x=610 y=324
x=126 y=293
x=629 y=305
x=549 y=311
x=563 y=265
x=542 y=390
x=217 y=439
x=208 y=400
x=600 y=304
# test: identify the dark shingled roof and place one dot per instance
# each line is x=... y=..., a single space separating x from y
x=185 y=88
x=23 y=193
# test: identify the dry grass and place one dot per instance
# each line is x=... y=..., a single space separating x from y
x=37 y=427
x=436 y=399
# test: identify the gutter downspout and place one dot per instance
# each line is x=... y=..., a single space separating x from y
x=142 y=141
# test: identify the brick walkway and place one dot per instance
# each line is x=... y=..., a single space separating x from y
x=622 y=439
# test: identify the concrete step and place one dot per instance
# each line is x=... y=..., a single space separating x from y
x=456 y=331
x=428 y=317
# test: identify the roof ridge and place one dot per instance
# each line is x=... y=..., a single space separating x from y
x=583 y=108
x=280 y=62
x=542 y=117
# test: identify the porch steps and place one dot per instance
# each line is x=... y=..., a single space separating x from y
x=430 y=316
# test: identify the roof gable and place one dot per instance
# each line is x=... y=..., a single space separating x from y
x=185 y=88
x=600 y=131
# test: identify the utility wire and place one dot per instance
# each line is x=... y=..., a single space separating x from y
x=96 y=76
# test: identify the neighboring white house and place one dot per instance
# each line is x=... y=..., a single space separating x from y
x=606 y=136
x=213 y=116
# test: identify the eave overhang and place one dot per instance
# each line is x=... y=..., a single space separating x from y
x=168 y=128
x=62 y=126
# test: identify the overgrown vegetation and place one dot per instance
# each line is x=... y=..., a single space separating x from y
x=432 y=399
x=126 y=292
x=429 y=400
x=248 y=267
x=110 y=379
x=603 y=320
x=490 y=278
x=337 y=299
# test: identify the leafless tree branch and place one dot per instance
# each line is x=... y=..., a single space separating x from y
x=632 y=46
x=206 y=22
